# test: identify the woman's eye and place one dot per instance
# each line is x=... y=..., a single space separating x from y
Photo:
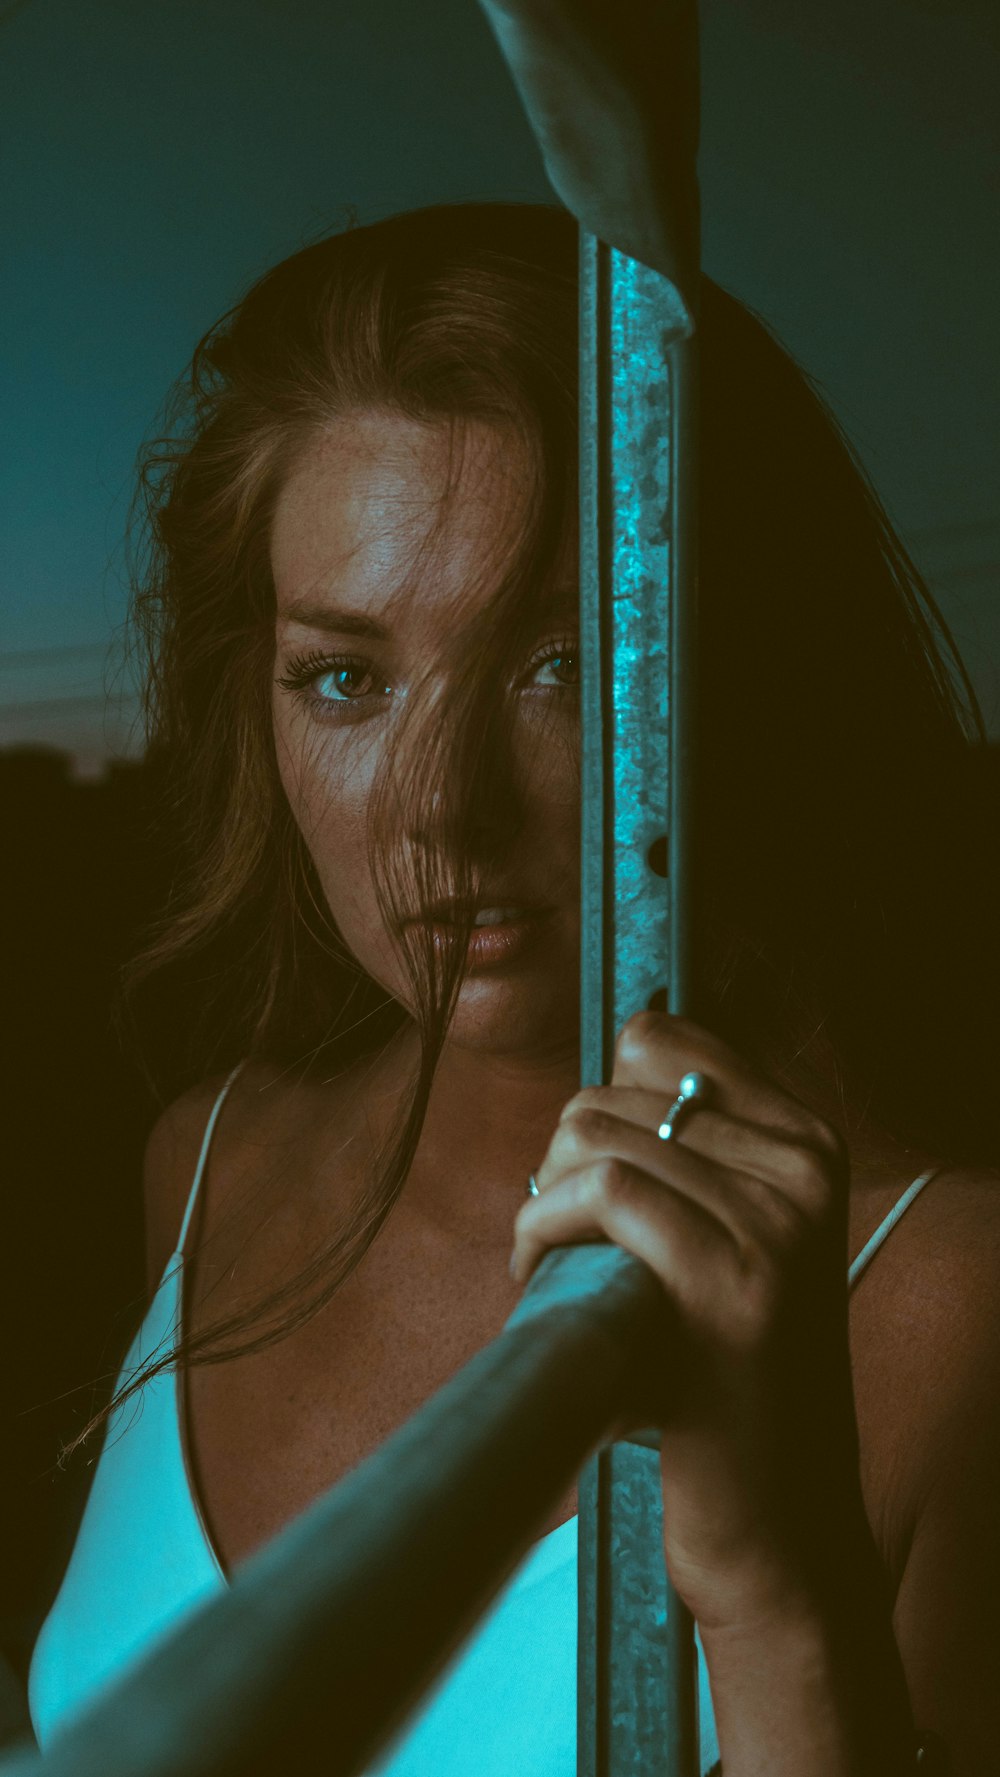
x=562 y=666
x=326 y=682
x=354 y=679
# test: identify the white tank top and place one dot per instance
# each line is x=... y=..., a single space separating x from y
x=143 y=1560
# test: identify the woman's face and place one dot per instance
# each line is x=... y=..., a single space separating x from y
x=380 y=548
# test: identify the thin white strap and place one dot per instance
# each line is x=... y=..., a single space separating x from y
x=203 y=1156
x=902 y=1203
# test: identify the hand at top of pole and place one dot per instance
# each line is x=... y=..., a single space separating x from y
x=611 y=93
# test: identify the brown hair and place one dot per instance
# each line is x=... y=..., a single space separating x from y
x=837 y=842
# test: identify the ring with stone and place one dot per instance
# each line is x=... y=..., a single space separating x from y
x=693 y=1090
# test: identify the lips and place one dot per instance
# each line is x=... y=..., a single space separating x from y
x=498 y=916
x=498 y=907
x=494 y=935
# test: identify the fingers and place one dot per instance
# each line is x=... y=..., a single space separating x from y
x=682 y=1242
x=655 y=1049
x=748 y=1207
x=623 y=1121
x=725 y=1208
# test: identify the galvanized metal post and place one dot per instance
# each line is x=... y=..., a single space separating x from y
x=637 y=1670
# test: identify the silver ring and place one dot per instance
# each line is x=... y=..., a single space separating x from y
x=533 y=1190
x=694 y=1088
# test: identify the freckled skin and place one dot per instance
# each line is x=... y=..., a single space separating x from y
x=359 y=514
x=269 y=1431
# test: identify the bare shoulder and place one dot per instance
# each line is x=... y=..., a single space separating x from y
x=280 y=1147
x=171 y=1156
x=926 y=1347
x=940 y=1400
x=948 y=1300
x=942 y=1256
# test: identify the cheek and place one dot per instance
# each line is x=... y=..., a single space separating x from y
x=551 y=776
x=328 y=795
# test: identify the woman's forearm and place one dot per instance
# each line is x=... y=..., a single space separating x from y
x=812 y=1685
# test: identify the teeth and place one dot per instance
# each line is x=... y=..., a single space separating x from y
x=494 y=916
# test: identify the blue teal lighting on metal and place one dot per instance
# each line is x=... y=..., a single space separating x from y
x=637 y=1672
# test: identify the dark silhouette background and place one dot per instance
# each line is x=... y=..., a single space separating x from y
x=80 y=880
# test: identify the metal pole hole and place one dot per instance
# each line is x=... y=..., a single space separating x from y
x=656 y=857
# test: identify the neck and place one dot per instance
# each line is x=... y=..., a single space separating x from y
x=489 y=1121
x=490 y=1118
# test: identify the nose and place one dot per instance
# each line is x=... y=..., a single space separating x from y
x=475 y=801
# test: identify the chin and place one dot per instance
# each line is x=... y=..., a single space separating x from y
x=512 y=1017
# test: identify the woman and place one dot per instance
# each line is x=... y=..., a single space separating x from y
x=361 y=603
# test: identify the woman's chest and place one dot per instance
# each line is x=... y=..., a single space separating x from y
x=267 y=1433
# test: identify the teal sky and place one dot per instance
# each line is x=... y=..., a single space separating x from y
x=157 y=158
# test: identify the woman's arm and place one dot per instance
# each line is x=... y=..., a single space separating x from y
x=947 y=1606
x=813 y=1685
x=943 y=1630
x=767 y=1538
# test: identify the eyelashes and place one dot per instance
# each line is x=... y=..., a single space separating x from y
x=305 y=670
x=568 y=649
x=305 y=673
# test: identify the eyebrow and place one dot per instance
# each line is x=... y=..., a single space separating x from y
x=564 y=601
x=337 y=620
x=333 y=619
